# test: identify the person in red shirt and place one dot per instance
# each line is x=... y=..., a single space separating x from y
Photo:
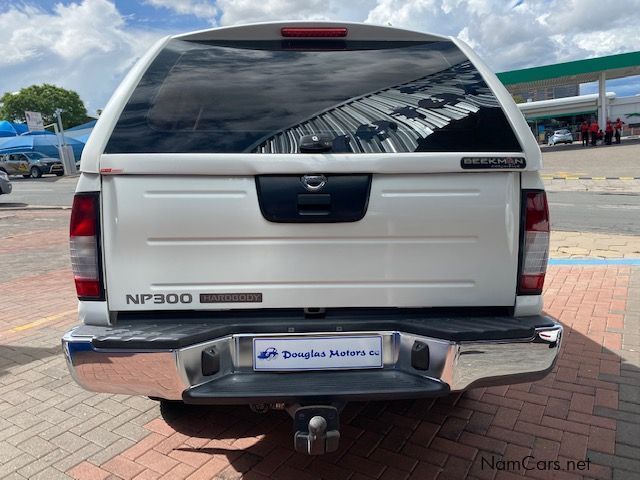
x=584 y=133
x=593 y=130
x=618 y=128
x=608 y=133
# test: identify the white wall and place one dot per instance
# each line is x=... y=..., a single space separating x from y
x=621 y=106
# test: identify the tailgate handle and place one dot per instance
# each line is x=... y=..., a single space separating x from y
x=314 y=204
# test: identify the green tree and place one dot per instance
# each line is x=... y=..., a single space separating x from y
x=45 y=99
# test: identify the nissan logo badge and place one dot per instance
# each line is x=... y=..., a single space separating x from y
x=313 y=183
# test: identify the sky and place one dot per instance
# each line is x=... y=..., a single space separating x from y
x=89 y=45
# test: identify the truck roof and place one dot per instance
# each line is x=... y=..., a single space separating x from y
x=271 y=31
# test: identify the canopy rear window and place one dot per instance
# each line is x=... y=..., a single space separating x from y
x=262 y=97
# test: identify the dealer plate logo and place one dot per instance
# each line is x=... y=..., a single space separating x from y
x=317 y=353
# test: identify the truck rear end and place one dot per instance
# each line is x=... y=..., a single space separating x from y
x=305 y=214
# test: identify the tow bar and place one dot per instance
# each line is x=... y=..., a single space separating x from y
x=316 y=428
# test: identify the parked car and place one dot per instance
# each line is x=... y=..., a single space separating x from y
x=560 y=136
x=348 y=212
x=5 y=184
x=30 y=164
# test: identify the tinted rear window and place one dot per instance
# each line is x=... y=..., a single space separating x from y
x=262 y=97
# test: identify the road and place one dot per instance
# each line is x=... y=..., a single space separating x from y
x=601 y=212
x=601 y=161
x=605 y=212
x=50 y=191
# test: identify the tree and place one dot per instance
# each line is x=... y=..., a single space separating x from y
x=45 y=99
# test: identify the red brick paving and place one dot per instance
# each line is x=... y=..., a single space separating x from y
x=553 y=419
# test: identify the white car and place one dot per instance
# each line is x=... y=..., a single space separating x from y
x=296 y=214
x=560 y=136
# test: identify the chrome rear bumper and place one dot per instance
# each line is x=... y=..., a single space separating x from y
x=172 y=373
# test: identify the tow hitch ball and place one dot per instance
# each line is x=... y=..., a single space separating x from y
x=316 y=429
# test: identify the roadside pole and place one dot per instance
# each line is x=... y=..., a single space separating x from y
x=66 y=153
x=57 y=132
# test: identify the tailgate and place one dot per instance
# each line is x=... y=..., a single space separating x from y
x=182 y=242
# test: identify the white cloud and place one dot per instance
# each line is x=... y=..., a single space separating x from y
x=88 y=45
x=251 y=11
x=519 y=34
x=200 y=8
x=84 y=46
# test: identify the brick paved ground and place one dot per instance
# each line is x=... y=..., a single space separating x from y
x=589 y=407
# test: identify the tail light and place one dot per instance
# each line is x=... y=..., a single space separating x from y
x=84 y=239
x=534 y=252
x=306 y=32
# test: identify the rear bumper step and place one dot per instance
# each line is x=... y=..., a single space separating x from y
x=211 y=365
x=315 y=387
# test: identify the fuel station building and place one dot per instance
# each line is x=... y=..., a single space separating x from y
x=549 y=95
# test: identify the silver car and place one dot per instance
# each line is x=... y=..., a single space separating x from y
x=5 y=184
x=30 y=164
x=561 y=136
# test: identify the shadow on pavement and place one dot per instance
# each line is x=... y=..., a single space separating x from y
x=12 y=205
x=16 y=355
x=568 y=417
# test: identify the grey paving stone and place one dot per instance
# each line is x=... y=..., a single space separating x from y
x=629 y=393
x=120 y=419
x=20 y=417
x=629 y=407
x=89 y=424
x=33 y=468
x=111 y=407
x=69 y=442
x=146 y=417
x=628 y=433
x=627 y=451
x=28 y=433
x=13 y=476
x=14 y=397
x=614 y=461
x=50 y=473
x=36 y=447
x=14 y=464
x=101 y=436
x=111 y=451
x=60 y=428
x=624 y=475
x=75 y=458
x=42 y=394
x=617 y=414
x=73 y=401
x=628 y=381
x=131 y=431
x=9 y=432
x=141 y=404
x=94 y=399
x=8 y=451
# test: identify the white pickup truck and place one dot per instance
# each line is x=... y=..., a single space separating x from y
x=297 y=214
